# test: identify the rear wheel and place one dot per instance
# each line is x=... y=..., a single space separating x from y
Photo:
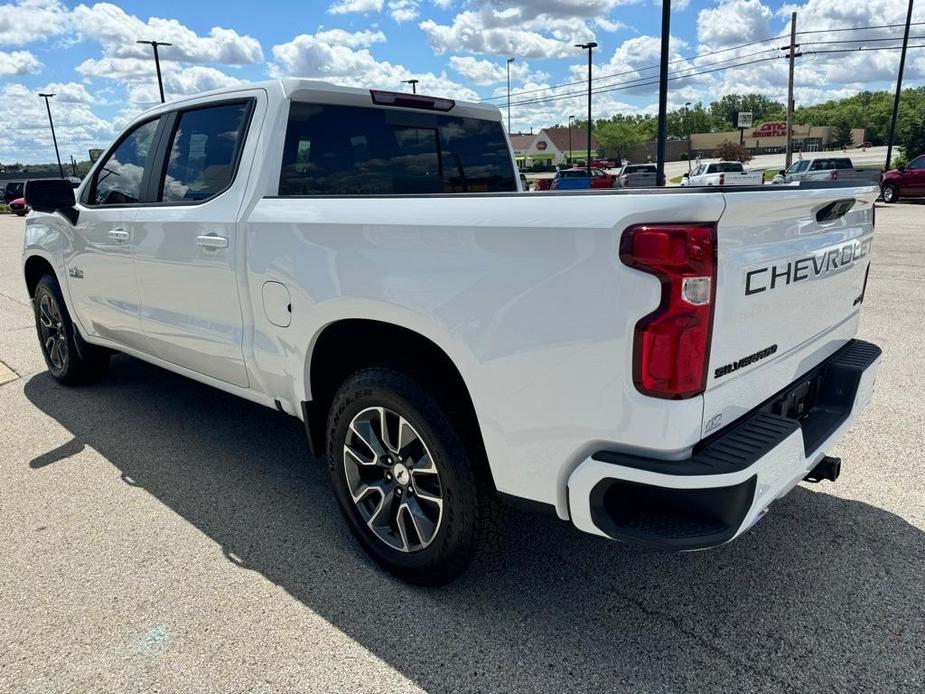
x=70 y=360
x=415 y=494
x=889 y=193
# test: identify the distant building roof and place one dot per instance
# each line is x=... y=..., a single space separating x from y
x=521 y=141
x=560 y=137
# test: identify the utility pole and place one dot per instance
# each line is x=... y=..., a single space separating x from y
x=414 y=85
x=663 y=95
x=53 y=138
x=509 y=61
x=73 y=166
x=157 y=62
x=590 y=46
x=687 y=122
x=792 y=56
x=899 y=87
x=570 y=119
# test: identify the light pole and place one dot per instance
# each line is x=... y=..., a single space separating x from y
x=53 y=138
x=414 y=85
x=509 y=61
x=687 y=123
x=663 y=96
x=570 y=119
x=157 y=62
x=590 y=46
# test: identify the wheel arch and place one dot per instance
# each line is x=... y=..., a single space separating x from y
x=35 y=267
x=343 y=347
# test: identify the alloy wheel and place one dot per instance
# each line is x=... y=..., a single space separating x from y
x=392 y=479
x=54 y=336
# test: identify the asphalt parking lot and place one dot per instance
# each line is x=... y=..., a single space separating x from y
x=158 y=535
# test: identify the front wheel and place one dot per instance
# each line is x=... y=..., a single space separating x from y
x=70 y=360
x=889 y=193
x=414 y=492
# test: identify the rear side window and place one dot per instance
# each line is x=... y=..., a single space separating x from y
x=350 y=150
x=118 y=179
x=203 y=152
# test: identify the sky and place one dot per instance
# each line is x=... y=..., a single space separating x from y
x=86 y=54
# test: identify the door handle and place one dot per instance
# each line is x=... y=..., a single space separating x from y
x=118 y=234
x=212 y=241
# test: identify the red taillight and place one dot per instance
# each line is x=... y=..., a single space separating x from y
x=671 y=348
x=722 y=179
x=833 y=175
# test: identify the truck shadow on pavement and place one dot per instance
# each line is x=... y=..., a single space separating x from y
x=824 y=594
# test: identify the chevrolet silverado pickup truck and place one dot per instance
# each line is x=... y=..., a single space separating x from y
x=654 y=366
x=722 y=173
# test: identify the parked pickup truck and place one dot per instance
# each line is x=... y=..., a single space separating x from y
x=578 y=179
x=722 y=173
x=825 y=169
x=656 y=367
x=638 y=176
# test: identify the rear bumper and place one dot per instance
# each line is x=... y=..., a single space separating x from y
x=732 y=477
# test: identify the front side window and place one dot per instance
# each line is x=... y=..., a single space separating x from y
x=917 y=163
x=351 y=150
x=203 y=152
x=117 y=180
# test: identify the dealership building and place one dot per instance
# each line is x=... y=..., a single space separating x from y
x=771 y=138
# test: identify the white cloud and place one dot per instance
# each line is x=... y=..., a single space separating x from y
x=25 y=135
x=27 y=21
x=317 y=56
x=116 y=31
x=404 y=10
x=530 y=28
x=734 y=22
x=351 y=39
x=486 y=72
x=348 y=6
x=18 y=63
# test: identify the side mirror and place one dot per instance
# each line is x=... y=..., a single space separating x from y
x=782 y=172
x=900 y=168
x=687 y=175
x=52 y=195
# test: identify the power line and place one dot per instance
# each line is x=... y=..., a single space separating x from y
x=632 y=72
x=641 y=69
x=888 y=38
x=865 y=50
x=647 y=81
x=703 y=55
x=878 y=26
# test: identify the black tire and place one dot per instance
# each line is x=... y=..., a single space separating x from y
x=71 y=360
x=889 y=193
x=469 y=510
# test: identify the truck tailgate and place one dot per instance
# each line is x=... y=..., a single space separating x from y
x=789 y=288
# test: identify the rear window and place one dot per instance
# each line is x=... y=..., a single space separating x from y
x=639 y=169
x=826 y=164
x=352 y=150
x=729 y=167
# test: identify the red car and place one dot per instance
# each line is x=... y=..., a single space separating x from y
x=905 y=182
x=18 y=207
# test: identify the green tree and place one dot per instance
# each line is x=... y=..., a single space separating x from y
x=618 y=135
x=912 y=137
x=723 y=112
x=842 y=135
x=684 y=121
x=732 y=151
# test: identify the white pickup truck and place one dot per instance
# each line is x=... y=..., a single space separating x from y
x=722 y=173
x=655 y=367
